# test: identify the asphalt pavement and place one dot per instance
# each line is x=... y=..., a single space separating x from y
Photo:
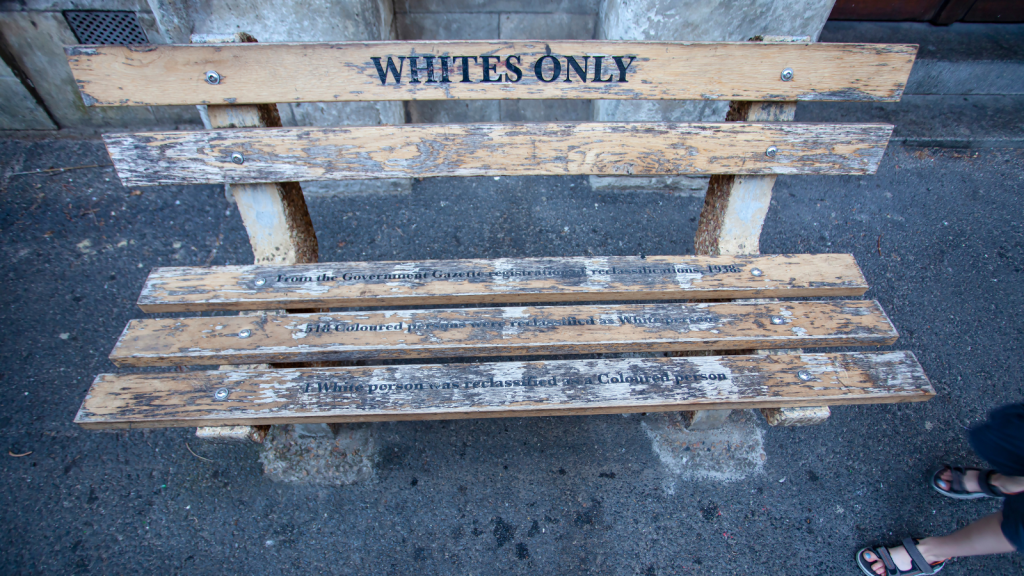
x=939 y=234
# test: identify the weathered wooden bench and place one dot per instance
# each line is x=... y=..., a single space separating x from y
x=294 y=309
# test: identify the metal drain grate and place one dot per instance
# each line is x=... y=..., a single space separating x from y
x=103 y=27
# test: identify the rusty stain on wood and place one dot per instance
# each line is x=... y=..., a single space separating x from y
x=467 y=332
x=346 y=71
x=505 y=389
x=544 y=148
x=505 y=280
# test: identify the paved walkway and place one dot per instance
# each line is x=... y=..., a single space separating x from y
x=940 y=237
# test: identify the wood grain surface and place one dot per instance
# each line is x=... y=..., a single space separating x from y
x=466 y=332
x=542 y=148
x=347 y=71
x=488 y=390
x=505 y=281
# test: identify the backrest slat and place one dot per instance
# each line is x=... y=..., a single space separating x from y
x=494 y=70
x=548 y=148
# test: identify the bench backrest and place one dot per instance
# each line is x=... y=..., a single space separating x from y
x=246 y=73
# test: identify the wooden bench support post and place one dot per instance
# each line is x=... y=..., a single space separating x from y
x=730 y=224
x=274 y=214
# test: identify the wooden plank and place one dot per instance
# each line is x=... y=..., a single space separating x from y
x=543 y=148
x=466 y=332
x=503 y=389
x=505 y=280
x=361 y=71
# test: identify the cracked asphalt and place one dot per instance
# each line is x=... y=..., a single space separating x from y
x=939 y=234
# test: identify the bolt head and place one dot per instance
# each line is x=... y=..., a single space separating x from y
x=212 y=77
x=221 y=394
x=787 y=75
x=778 y=320
x=771 y=151
x=261 y=281
x=804 y=375
x=245 y=333
x=237 y=158
x=756 y=272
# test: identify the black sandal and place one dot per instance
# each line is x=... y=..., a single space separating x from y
x=919 y=567
x=958 y=486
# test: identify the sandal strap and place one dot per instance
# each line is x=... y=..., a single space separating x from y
x=915 y=555
x=985 y=481
x=890 y=566
x=957 y=483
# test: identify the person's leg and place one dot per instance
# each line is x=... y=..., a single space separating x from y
x=982 y=537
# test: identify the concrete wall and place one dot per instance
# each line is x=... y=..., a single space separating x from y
x=34 y=32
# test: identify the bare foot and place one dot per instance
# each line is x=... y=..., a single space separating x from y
x=901 y=558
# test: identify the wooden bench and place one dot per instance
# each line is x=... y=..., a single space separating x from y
x=295 y=310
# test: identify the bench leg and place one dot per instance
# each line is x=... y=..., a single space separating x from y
x=274 y=214
x=797 y=416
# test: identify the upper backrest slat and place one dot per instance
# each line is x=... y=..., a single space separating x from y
x=494 y=70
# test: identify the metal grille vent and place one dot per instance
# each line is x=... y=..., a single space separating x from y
x=103 y=27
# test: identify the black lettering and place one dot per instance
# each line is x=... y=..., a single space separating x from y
x=488 y=68
x=597 y=70
x=513 y=69
x=444 y=69
x=414 y=70
x=465 y=66
x=397 y=73
x=572 y=64
x=556 y=68
x=623 y=67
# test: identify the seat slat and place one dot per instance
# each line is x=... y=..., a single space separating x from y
x=347 y=71
x=468 y=332
x=490 y=390
x=506 y=281
x=543 y=148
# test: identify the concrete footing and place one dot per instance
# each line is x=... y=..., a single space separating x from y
x=705 y=419
x=336 y=454
x=730 y=452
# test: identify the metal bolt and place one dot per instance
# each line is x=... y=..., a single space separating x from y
x=770 y=152
x=237 y=158
x=804 y=375
x=756 y=272
x=221 y=394
x=787 y=75
x=212 y=77
x=261 y=281
x=778 y=320
x=245 y=333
